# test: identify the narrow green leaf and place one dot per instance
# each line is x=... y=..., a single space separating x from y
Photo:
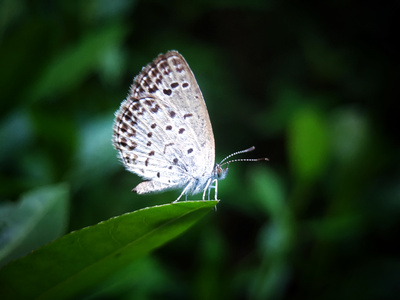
x=67 y=266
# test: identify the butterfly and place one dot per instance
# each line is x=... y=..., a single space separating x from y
x=163 y=133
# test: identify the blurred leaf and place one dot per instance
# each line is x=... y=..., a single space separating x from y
x=351 y=135
x=39 y=217
x=96 y=10
x=72 y=66
x=16 y=132
x=94 y=152
x=308 y=144
x=82 y=258
x=275 y=238
x=269 y=191
x=337 y=227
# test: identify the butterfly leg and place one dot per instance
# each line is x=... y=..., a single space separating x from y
x=207 y=188
x=212 y=186
x=184 y=192
x=215 y=181
x=215 y=186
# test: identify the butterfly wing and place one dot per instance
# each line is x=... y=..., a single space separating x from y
x=162 y=131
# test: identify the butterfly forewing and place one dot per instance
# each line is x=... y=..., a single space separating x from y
x=162 y=131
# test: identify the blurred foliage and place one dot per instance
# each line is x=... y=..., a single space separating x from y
x=40 y=217
x=311 y=84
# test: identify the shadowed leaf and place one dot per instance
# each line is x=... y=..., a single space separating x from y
x=82 y=258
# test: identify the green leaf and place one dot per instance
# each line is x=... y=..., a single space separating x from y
x=275 y=238
x=72 y=66
x=309 y=146
x=80 y=259
x=38 y=218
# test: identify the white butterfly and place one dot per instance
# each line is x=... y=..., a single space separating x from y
x=163 y=133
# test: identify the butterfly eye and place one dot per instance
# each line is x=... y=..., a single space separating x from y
x=221 y=173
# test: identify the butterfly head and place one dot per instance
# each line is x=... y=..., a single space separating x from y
x=220 y=173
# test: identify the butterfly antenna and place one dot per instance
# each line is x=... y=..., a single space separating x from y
x=242 y=159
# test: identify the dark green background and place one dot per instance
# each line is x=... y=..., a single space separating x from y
x=313 y=85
